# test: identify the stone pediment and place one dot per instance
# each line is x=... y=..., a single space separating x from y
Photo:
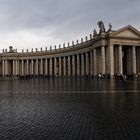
x=128 y=32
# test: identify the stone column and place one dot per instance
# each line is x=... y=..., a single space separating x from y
x=82 y=64
x=73 y=65
x=22 y=67
x=95 y=61
x=50 y=66
x=41 y=66
x=129 y=60
x=46 y=66
x=18 y=67
x=64 y=65
x=133 y=60
x=3 y=67
x=27 y=68
x=103 y=59
x=32 y=67
x=55 y=66
x=69 y=66
x=14 y=67
x=87 y=64
x=36 y=67
x=78 y=65
x=6 y=67
x=120 y=60
x=111 y=60
x=91 y=63
x=60 y=67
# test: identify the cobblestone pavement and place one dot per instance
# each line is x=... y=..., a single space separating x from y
x=29 y=111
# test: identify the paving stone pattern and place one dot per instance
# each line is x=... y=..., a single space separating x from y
x=41 y=115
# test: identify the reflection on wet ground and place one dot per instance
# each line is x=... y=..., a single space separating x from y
x=69 y=108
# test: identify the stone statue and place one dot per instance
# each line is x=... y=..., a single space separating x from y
x=27 y=50
x=50 y=47
x=59 y=46
x=77 y=41
x=22 y=50
x=3 y=50
x=46 y=48
x=68 y=44
x=110 y=27
x=94 y=32
x=36 y=49
x=101 y=26
x=81 y=40
x=86 y=38
x=90 y=36
x=55 y=47
x=41 y=49
x=72 y=43
x=32 y=50
x=64 y=45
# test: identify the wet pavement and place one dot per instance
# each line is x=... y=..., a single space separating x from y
x=69 y=109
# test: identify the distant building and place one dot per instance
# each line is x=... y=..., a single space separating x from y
x=107 y=52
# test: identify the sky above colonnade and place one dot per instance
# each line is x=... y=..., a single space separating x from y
x=26 y=24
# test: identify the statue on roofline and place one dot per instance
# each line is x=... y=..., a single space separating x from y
x=77 y=41
x=110 y=27
x=94 y=32
x=73 y=43
x=81 y=40
x=90 y=36
x=68 y=44
x=64 y=45
x=101 y=26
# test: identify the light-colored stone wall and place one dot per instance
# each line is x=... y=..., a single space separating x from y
x=102 y=53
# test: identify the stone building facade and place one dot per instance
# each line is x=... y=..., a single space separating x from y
x=107 y=52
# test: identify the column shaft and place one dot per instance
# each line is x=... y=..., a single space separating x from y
x=32 y=64
x=27 y=67
x=46 y=66
x=82 y=64
x=22 y=67
x=41 y=66
x=50 y=66
x=103 y=59
x=64 y=65
x=60 y=67
x=111 y=60
x=6 y=67
x=3 y=67
x=69 y=66
x=55 y=66
x=120 y=60
x=95 y=61
x=17 y=67
x=78 y=65
x=91 y=63
x=73 y=65
x=133 y=60
x=13 y=67
x=87 y=64
x=36 y=67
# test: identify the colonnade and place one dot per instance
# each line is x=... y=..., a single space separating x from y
x=71 y=65
x=103 y=59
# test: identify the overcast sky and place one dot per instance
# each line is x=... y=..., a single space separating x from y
x=40 y=23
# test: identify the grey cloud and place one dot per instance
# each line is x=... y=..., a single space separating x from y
x=65 y=19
